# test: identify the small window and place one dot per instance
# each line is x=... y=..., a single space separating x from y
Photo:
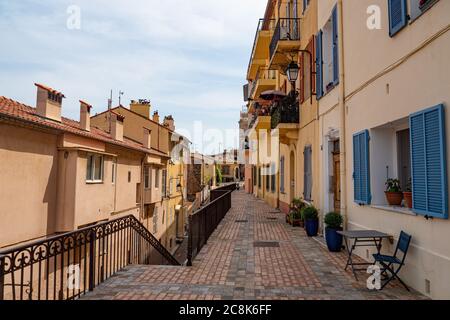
x=113 y=172
x=157 y=178
x=94 y=171
x=164 y=183
x=129 y=176
x=418 y=7
x=147 y=177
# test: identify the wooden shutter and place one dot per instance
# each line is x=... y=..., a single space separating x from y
x=335 y=47
x=428 y=162
x=282 y=174
x=397 y=16
x=301 y=76
x=319 y=65
x=361 y=168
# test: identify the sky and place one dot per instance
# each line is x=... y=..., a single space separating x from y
x=189 y=57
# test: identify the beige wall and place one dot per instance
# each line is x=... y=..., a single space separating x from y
x=28 y=171
x=417 y=83
x=133 y=128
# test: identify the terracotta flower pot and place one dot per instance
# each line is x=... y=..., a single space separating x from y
x=394 y=198
x=408 y=199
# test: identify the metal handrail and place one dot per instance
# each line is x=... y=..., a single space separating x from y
x=286 y=29
x=66 y=266
x=204 y=221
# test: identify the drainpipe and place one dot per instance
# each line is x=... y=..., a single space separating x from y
x=141 y=215
x=342 y=135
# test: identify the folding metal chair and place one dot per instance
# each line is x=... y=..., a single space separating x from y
x=393 y=264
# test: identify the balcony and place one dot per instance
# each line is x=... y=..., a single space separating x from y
x=285 y=117
x=260 y=51
x=265 y=80
x=286 y=38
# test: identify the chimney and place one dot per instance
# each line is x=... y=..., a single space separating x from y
x=169 y=123
x=85 y=116
x=147 y=139
x=48 y=102
x=156 y=116
x=117 y=126
x=141 y=107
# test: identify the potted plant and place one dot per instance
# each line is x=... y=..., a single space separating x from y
x=333 y=222
x=394 y=194
x=295 y=212
x=296 y=218
x=311 y=219
x=407 y=195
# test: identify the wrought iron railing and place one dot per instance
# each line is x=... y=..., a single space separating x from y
x=204 y=221
x=286 y=29
x=285 y=111
x=263 y=25
x=66 y=266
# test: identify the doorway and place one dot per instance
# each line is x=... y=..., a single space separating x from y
x=291 y=176
x=336 y=176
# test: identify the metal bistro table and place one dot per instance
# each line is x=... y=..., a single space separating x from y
x=362 y=238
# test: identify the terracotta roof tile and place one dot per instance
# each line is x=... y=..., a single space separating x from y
x=49 y=89
x=19 y=111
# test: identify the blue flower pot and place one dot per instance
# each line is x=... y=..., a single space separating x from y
x=334 y=240
x=312 y=227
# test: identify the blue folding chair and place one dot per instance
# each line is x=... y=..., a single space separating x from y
x=393 y=264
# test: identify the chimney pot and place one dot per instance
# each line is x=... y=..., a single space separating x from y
x=156 y=116
x=85 y=116
x=147 y=139
x=48 y=102
x=116 y=126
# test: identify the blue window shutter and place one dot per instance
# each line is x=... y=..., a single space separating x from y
x=361 y=168
x=319 y=64
x=335 y=47
x=429 y=163
x=397 y=16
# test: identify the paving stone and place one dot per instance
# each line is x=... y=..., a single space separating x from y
x=230 y=267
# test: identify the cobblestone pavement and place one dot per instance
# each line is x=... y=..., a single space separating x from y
x=232 y=266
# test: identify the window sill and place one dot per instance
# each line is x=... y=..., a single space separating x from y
x=396 y=209
x=94 y=182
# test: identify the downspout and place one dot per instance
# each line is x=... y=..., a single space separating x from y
x=342 y=135
x=141 y=215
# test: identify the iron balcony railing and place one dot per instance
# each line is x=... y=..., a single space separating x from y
x=263 y=25
x=286 y=29
x=205 y=220
x=66 y=266
x=285 y=111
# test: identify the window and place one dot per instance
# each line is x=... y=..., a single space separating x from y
x=361 y=172
x=94 y=170
x=429 y=163
x=255 y=178
x=305 y=4
x=156 y=178
x=267 y=180
x=403 y=158
x=327 y=56
x=307 y=173
x=147 y=178
x=113 y=172
x=129 y=176
x=164 y=183
x=418 y=7
x=282 y=174
x=397 y=16
x=259 y=178
x=307 y=85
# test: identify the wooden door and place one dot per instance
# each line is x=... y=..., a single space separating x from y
x=337 y=182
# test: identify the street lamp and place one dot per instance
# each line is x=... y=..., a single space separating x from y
x=292 y=72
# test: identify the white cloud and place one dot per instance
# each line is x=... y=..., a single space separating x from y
x=188 y=57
